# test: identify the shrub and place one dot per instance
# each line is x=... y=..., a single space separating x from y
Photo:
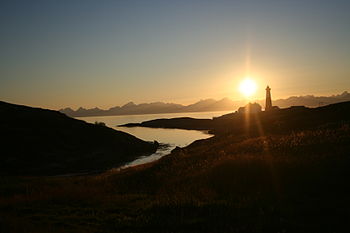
x=100 y=123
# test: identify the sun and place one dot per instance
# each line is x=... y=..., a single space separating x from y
x=247 y=87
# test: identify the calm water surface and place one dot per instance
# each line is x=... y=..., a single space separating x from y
x=170 y=137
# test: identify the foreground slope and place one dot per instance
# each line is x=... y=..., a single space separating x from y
x=291 y=180
x=40 y=141
x=281 y=171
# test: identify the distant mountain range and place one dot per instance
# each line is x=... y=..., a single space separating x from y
x=311 y=100
x=203 y=106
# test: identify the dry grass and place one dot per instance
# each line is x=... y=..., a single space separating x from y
x=276 y=183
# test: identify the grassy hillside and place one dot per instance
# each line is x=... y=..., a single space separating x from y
x=277 y=182
x=40 y=141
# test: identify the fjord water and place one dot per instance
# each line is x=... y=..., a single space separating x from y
x=170 y=137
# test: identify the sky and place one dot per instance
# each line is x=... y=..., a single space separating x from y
x=71 y=53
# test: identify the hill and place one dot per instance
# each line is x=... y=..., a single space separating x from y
x=40 y=141
x=272 y=122
x=287 y=173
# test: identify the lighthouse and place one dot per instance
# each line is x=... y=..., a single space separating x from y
x=268 y=103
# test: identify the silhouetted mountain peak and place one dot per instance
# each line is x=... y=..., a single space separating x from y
x=67 y=109
x=128 y=105
x=344 y=94
x=81 y=110
x=204 y=105
x=114 y=108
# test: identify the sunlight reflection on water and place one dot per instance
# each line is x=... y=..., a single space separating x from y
x=168 y=138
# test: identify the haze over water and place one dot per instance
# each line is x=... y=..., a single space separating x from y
x=171 y=137
x=175 y=137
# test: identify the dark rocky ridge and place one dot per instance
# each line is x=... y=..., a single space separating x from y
x=282 y=182
x=275 y=121
x=38 y=141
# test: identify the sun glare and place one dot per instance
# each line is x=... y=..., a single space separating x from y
x=247 y=87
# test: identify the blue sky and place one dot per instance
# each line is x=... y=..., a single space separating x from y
x=105 y=53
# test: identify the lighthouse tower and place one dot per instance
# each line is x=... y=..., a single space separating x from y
x=268 y=104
